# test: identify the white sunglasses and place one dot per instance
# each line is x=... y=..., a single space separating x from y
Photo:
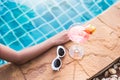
x=56 y=63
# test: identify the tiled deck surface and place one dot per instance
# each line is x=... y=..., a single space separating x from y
x=101 y=49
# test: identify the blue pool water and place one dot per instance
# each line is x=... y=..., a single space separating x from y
x=24 y=23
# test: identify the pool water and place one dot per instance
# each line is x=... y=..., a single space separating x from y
x=24 y=23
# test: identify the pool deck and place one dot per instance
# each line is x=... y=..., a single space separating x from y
x=100 y=50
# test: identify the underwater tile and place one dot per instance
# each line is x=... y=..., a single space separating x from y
x=1 y=22
x=41 y=40
x=95 y=10
x=28 y=26
x=88 y=3
x=36 y=34
x=56 y=11
x=80 y=8
x=73 y=2
x=110 y=2
x=63 y=18
x=24 y=8
x=19 y=32
x=16 y=12
x=58 y=0
x=2 y=41
x=45 y=28
x=64 y=5
x=48 y=16
x=4 y=29
x=10 y=4
x=38 y=21
x=13 y=24
x=3 y=9
x=68 y=24
x=55 y=24
x=59 y=29
x=22 y=19
x=51 y=34
x=41 y=8
x=31 y=14
x=25 y=40
x=16 y=46
x=72 y=13
x=9 y=38
x=87 y=16
x=103 y=5
x=7 y=17
x=80 y=19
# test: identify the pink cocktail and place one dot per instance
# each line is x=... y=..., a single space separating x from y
x=79 y=34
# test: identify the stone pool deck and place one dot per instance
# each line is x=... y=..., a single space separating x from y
x=101 y=49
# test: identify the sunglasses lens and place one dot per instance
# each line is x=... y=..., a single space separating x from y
x=57 y=63
x=61 y=51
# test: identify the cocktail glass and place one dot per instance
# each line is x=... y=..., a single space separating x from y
x=78 y=34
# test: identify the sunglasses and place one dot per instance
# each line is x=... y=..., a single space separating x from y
x=56 y=63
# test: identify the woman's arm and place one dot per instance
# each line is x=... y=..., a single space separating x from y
x=32 y=52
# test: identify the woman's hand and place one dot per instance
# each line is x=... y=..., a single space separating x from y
x=60 y=38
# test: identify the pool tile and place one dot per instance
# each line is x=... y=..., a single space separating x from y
x=51 y=34
x=31 y=14
x=13 y=24
x=88 y=3
x=22 y=19
x=4 y=29
x=58 y=0
x=95 y=10
x=36 y=34
x=68 y=24
x=19 y=32
x=59 y=29
x=3 y=9
x=25 y=40
x=10 y=4
x=111 y=1
x=2 y=42
x=1 y=22
x=38 y=21
x=73 y=2
x=7 y=17
x=79 y=19
x=16 y=46
x=41 y=40
x=16 y=12
x=64 y=5
x=24 y=8
x=72 y=13
x=80 y=8
x=3 y=1
x=55 y=24
x=103 y=5
x=63 y=18
x=50 y=3
x=56 y=11
x=40 y=8
x=87 y=16
x=45 y=28
x=28 y=26
x=48 y=16
x=9 y=38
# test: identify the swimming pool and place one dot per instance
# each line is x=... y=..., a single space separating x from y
x=24 y=23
